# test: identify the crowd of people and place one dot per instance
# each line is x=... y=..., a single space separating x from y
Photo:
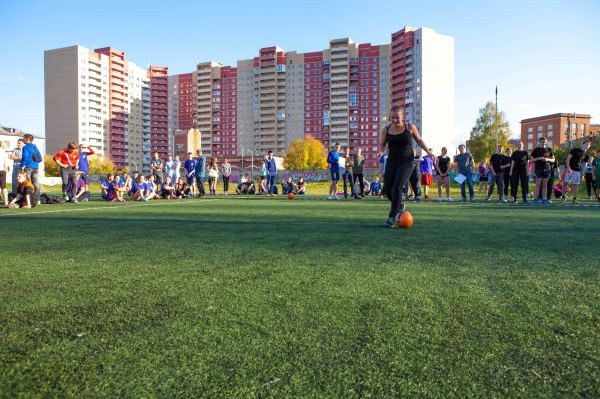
x=26 y=158
x=406 y=174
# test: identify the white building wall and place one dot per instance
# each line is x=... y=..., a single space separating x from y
x=434 y=88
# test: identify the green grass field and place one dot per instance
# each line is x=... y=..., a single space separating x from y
x=266 y=297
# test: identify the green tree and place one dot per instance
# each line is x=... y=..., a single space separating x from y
x=100 y=165
x=51 y=168
x=483 y=138
x=305 y=154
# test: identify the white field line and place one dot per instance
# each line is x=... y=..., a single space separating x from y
x=103 y=207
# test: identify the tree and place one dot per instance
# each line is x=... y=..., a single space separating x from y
x=306 y=154
x=100 y=165
x=483 y=138
x=51 y=168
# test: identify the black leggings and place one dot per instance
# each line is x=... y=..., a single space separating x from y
x=589 y=183
x=507 y=182
x=225 y=183
x=519 y=176
x=397 y=173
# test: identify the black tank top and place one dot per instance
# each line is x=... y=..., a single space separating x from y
x=443 y=163
x=400 y=145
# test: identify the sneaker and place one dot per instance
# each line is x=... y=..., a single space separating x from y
x=544 y=202
x=390 y=223
x=427 y=197
x=402 y=208
x=86 y=200
x=330 y=197
x=549 y=202
x=40 y=202
x=575 y=202
x=535 y=202
x=144 y=200
x=74 y=200
x=471 y=199
x=417 y=199
x=439 y=199
x=464 y=200
x=488 y=198
x=449 y=199
x=335 y=197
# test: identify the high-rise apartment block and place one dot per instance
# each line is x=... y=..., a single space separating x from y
x=101 y=99
x=339 y=94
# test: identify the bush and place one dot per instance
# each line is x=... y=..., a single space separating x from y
x=51 y=168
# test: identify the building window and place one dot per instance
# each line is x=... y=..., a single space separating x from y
x=529 y=130
x=540 y=128
x=549 y=127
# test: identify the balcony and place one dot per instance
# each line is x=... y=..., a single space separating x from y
x=339 y=78
x=409 y=101
x=339 y=49
x=338 y=64
x=340 y=86
x=339 y=130
x=339 y=93
x=339 y=108
x=339 y=100
x=339 y=71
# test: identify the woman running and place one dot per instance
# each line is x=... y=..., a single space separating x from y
x=398 y=137
x=442 y=164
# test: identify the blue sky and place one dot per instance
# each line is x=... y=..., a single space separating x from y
x=543 y=55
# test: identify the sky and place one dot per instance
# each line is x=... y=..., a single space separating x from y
x=544 y=56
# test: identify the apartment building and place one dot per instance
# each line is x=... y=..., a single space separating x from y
x=99 y=98
x=559 y=129
x=340 y=94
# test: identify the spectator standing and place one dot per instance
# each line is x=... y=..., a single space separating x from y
x=84 y=165
x=16 y=158
x=30 y=160
x=464 y=164
x=226 y=172
x=358 y=169
x=200 y=172
x=68 y=160
x=271 y=168
x=333 y=159
x=213 y=175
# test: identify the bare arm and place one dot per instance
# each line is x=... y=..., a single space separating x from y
x=417 y=137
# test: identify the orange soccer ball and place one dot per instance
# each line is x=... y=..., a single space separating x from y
x=404 y=220
x=291 y=196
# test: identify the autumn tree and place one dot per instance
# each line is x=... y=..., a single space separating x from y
x=51 y=168
x=484 y=138
x=306 y=154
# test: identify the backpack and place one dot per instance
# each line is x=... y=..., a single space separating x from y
x=50 y=199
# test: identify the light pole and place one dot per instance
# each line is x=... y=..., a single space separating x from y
x=496 y=116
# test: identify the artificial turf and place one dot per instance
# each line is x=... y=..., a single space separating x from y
x=266 y=297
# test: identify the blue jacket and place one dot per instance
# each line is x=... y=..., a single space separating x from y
x=27 y=156
x=333 y=159
x=201 y=167
x=271 y=166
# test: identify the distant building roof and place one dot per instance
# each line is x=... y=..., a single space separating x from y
x=552 y=116
x=10 y=131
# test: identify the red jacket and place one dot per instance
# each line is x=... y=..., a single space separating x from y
x=67 y=158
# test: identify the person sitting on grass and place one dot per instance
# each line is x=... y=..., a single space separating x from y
x=167 y=190
x=127 y=182
x=151 y=189
x=376 y=187
x=287 y=187
x=81 y=192
x=137 y=188
x=25 y=193
x=106 y=187
x=182 y=190
x=300 y=186
x=118 y=189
